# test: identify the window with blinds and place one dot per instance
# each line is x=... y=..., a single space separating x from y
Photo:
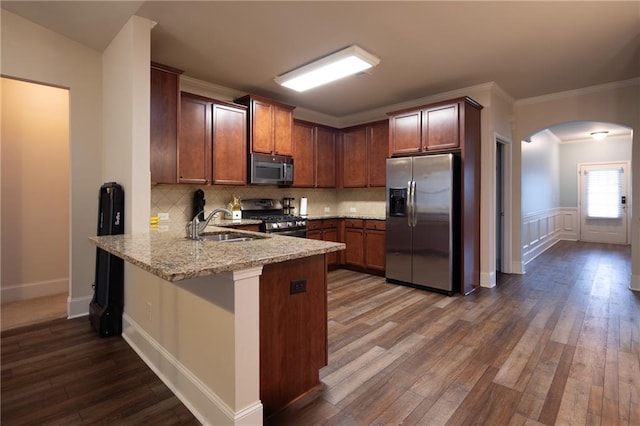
x=604 y=188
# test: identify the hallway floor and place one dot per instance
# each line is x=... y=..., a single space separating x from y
x=32 y=311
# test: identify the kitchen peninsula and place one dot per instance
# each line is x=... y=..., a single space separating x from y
x=237 y=330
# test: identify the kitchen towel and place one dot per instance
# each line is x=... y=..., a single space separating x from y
x=303 y=206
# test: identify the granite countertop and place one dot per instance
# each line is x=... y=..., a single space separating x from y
x=171 y=256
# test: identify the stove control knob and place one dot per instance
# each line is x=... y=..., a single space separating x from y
x=275 y=225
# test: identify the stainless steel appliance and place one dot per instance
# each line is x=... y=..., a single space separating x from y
x=274 y=221
x=270 y=169
x=423 y=222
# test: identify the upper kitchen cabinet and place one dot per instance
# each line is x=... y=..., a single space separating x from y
x=269 y=125
x=165 y=93
x=212 y=142
x=431 y=128
x=314 y=155
x=364 y=152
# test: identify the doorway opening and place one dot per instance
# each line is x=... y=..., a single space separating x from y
x=34 y=223
x=499 y=206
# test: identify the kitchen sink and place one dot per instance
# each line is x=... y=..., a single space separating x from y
x=231 y=237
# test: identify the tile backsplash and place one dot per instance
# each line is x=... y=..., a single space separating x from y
x=177 y=199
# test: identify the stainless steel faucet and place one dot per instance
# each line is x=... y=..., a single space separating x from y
x=195 y=227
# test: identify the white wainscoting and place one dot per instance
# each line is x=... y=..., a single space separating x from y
x=541 y=230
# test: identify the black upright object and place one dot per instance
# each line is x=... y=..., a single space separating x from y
x=105 y=309
x=198 y=204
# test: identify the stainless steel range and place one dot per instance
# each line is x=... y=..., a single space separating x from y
x=270 y=212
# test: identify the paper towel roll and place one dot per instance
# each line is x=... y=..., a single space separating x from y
x=303 y=206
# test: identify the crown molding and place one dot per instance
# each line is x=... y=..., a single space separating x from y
x=578 y=92
x=204 y=88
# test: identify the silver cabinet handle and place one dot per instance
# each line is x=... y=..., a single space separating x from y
x=409 y=205
x=414 y=213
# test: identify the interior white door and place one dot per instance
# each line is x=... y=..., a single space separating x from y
x=603 y=201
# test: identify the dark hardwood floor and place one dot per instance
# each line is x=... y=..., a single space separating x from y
x=558 y=345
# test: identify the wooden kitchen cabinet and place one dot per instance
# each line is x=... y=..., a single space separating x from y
x=365 y=241
x=354 y=240
x=431 y=128
x=269 y=125
x=365 y=149
x=375 y=245
x=325 y=157
x=354 y=154
x=211 y=142
x=314 y=154
x=165 y=94
x=377 y=153
x=325 y=230
x=304 y=157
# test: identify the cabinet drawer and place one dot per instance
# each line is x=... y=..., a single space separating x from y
x=329 y=223
x=376 y=224
x=313 y=225
x=354 y=223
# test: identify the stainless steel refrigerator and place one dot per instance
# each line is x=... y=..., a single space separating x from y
x=423 y=222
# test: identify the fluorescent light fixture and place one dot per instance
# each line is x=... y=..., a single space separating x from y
x=332 y=67
x=599 y=135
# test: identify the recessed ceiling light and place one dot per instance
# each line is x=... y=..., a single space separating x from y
x=599 y=135
x=343 y=63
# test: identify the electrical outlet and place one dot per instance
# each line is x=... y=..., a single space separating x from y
x=352 y=209
x=298 y=286
x=327 y=209
x=148 y=311
x=163 y=216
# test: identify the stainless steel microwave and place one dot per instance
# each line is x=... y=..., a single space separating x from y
x=270 y=169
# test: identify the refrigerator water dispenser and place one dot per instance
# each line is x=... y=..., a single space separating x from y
x=397 y=202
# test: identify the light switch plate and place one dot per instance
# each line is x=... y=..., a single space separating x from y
x=163 y=216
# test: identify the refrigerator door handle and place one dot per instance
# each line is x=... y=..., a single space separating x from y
x=409 y=205
x=414 y=214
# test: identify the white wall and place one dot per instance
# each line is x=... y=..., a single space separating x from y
x=614 y=103
x=35 y=190
x=126 y=88
x=33 y=53
x=540 y=173
x=587 y=151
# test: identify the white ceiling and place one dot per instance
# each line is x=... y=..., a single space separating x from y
x=426 y=47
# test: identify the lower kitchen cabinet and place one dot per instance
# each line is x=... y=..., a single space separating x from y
x=375 y=244
x=325 y=230
x=365 y=241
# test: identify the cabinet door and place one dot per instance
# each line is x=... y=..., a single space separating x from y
x=354 y=240
x=354 y=148
x=164 y=125
x=405 y=133
x=325 y=158
x=261 y=127
x=441 y=128
x=283 y=123
x=194 y=143
x=375 y=249
x=331 y=234
x=378 y=150
x=303 y=155
x=314 y=235
x=229 y=145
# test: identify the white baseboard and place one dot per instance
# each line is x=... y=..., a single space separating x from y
x=34 y=290
x=203 y=403
x=488 y=280
x=635 y=283
x=78 y=306
x=517 y=267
